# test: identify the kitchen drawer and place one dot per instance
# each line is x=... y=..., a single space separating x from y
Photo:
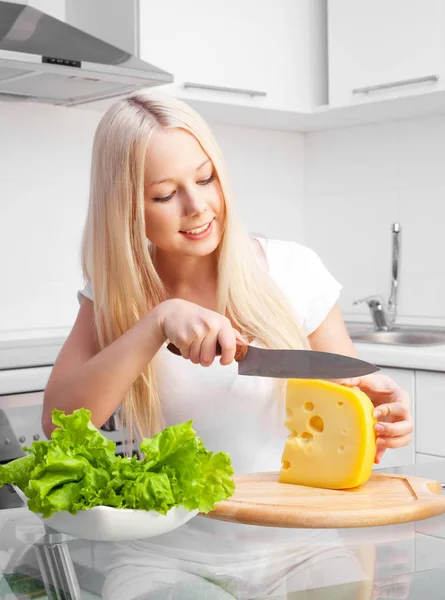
x=428 y=458
x=430 y=413
x=430 y=552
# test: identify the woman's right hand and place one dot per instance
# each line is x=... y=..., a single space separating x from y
x=196 y=330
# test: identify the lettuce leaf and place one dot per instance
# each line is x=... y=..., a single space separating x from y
x=17 y=471
x=166 y=443
x=78 y=469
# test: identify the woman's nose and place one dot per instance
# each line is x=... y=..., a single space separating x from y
x=194 y=204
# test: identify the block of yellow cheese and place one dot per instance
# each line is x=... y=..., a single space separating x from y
x=332 y=440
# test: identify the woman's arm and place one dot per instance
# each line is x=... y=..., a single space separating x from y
x=392 y=403
x=83 y=376
x=332 y=335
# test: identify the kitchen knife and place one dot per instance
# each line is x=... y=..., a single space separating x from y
x=295 y=364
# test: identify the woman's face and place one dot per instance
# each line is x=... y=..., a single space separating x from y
x=184 y=208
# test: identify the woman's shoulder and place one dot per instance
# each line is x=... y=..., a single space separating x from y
x=283 y=255
x=85 y=292
x=303 y=277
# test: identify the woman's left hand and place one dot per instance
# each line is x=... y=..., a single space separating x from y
x=392 y=409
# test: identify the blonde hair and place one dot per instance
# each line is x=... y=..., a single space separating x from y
x=116 y=257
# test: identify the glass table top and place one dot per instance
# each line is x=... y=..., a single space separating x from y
x=207 y=559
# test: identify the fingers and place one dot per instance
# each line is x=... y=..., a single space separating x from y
x=202 y=349
x=227 y=340
x=396 y=410
x=196 y=331
x=195 y=349
x=396 y=442
x=240 y=338
x=380 y=388
x=395 y=425
x=394 y=429
x=379 y=454
x=352 y=382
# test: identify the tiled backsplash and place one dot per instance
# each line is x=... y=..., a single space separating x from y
x=266 y=169
x=357 y=182
x=44 y=178
x=337 y=191
x=44 y=172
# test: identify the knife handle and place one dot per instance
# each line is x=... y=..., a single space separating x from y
x=240 y=353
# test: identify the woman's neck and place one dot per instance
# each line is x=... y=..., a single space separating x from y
x=192 y=278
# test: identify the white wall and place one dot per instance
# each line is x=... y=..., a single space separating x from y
x=337 y=191
x=44 y=171
x=267 y=175
x=357 y=182
x=44 y=178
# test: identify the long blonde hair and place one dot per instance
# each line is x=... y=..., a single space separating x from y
x=116 y=257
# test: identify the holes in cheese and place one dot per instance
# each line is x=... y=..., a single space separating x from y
x=305 y=438
x=336 y=448
x=316 y=423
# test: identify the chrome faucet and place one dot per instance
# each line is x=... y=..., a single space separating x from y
x=384 y=317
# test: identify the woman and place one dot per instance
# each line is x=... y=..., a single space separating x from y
x=166 y=260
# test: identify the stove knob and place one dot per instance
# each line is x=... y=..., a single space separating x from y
x=22 y=439
x=7 y=441
x=36 y=437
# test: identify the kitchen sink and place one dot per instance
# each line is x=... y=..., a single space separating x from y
x=399 y=336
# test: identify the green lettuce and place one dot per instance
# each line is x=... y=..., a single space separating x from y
x=78 y=469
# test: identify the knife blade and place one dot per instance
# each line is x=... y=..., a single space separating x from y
x=295 y=364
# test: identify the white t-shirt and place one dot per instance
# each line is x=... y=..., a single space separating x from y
x=238 y=414
x=242 y=416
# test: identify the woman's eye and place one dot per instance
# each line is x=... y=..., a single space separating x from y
x=207 y=181
x=164 y=198
x=170 y=196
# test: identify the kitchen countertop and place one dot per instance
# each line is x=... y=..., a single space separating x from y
x=429 y=358
x=21 y=350
x=228 y=561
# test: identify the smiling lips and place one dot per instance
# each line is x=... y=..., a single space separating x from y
x=199 y=232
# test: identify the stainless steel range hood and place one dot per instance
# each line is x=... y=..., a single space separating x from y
x=47 y=60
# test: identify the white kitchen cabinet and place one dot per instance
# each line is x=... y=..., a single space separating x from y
x=251 y=53
x=430 y=413
x=54 y=8
x=422 y=459
x=401 y=456
x=380 y=43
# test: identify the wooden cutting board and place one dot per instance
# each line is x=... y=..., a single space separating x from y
x=385 y=499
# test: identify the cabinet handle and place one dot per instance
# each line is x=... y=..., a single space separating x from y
x=384 y=86
x=217 y=88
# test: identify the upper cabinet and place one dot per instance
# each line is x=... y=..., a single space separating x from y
x=266 y=54
x=54 y=8
x=381 y=49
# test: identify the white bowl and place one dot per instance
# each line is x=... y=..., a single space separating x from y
x=104 y=523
